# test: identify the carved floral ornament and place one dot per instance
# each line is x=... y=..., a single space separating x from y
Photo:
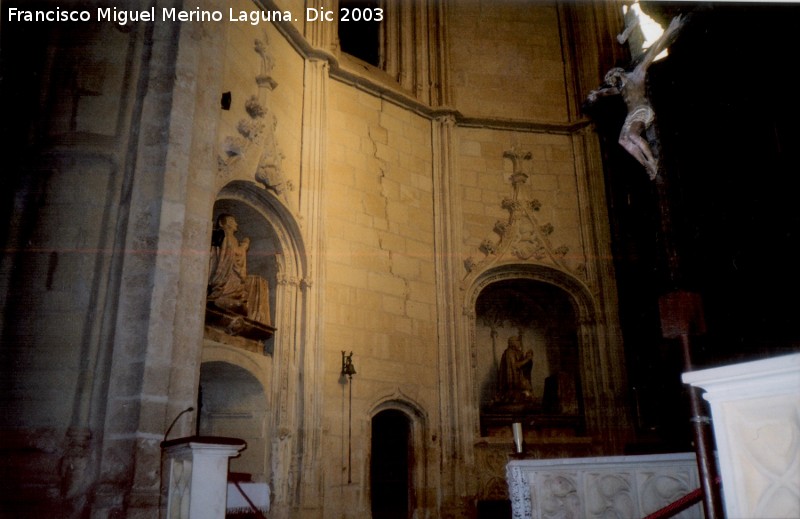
x=256 y=134
x=520 y=237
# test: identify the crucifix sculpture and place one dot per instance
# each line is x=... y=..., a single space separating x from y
x=638 y=135
x=680 y=310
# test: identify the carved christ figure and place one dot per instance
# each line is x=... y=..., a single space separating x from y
x=633 y=89
x=229 y=286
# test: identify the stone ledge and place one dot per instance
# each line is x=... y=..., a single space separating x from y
x=237 y=330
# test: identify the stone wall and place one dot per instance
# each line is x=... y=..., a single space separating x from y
x=380 y=294
x=507 y=61
x=373 y=197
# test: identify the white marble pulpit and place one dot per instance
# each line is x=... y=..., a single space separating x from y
x=196 y=475
x=755 y=410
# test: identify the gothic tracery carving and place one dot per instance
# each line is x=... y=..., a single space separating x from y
x=610 y=495
x=521 y=237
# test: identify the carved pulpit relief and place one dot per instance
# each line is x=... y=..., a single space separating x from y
x=237 y=302
x=521 y=237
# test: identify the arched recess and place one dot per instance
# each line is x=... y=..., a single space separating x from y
x=541 y=317
x=233 y=403
x=278 y=254
x=417 y=453
x=276 y=249
x=597 y=367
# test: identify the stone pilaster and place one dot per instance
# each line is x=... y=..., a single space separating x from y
x=312 y=203
x=456 y=402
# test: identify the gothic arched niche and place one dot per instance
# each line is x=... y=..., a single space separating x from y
x=251 y=312
x=527 y=360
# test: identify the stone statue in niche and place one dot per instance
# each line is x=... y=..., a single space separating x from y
x=230 y=288
x=514 y=375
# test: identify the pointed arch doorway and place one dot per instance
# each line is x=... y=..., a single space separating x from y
x=390 y=466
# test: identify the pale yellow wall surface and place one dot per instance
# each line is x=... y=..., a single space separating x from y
x=506 y=60
x=379 y=228
x=380 y=291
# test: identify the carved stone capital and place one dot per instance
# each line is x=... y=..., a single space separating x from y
x=288 y=281
x=446 y=119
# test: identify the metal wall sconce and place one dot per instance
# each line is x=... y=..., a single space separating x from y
x=348 y=370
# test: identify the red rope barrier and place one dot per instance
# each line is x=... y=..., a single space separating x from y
x=253 y=507
x=679 y=505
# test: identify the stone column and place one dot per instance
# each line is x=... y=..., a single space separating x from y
x=196 y=476
x=755 y=408
x=322 y=35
